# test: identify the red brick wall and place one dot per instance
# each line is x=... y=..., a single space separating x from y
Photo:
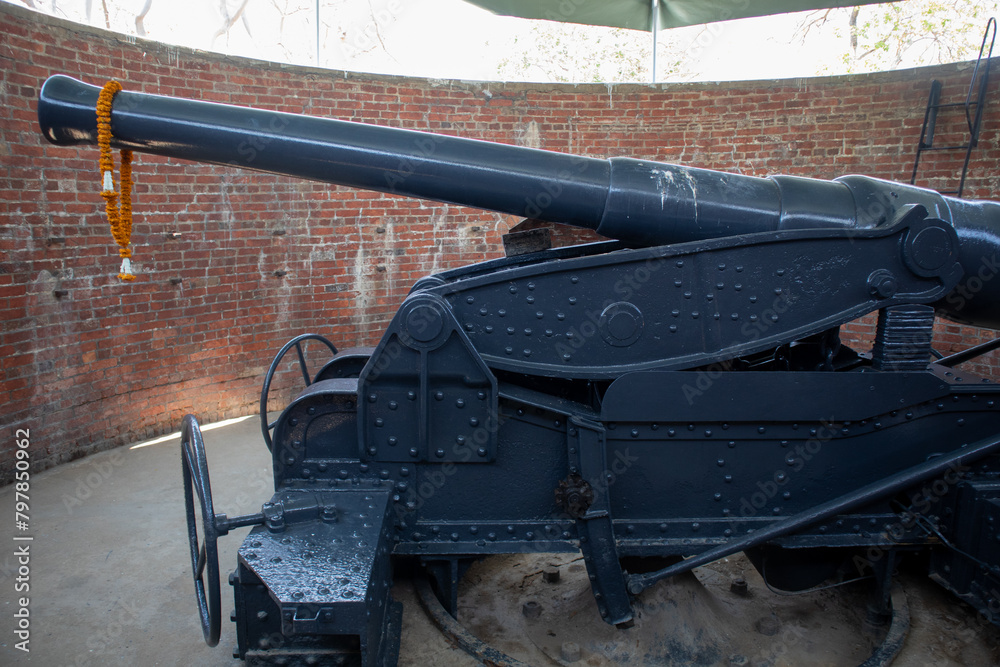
x=106 y=363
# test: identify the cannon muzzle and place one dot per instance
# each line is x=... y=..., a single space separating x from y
x=640 y=202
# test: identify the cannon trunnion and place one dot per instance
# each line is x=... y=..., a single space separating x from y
x=680 y=393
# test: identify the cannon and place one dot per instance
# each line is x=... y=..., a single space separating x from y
x=657 y=401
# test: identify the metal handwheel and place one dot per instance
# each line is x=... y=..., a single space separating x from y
x=265 y=428
x=204 y=555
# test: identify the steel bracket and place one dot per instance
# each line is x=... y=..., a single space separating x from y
x=588 y=459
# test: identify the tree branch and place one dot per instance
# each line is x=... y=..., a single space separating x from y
x=228 y=21
x=140 y=29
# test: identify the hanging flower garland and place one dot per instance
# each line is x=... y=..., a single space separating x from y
x=120 y=218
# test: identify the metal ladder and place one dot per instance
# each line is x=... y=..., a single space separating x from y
x=973 y=119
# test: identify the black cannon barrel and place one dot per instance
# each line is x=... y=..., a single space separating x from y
x=640 y=202
x=486 y=175
x=626 y=199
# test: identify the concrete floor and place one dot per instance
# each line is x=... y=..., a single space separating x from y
x=111 y=580
x=110 y=568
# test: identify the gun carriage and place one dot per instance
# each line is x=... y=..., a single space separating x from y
x=679 y=392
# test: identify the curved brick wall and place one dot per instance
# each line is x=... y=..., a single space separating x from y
x=90 y=363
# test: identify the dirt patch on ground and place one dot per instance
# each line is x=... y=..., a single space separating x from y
x=695 y=619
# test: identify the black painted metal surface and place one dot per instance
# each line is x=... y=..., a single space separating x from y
x=641 y=202
x=682 y=393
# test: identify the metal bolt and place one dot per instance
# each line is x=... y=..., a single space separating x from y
x=550 y=575
x=531 y=609
x=882 y=284
x=768 y=626
x=569 y=651
x=739 y=586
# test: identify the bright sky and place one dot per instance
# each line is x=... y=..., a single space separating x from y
x=453 y=39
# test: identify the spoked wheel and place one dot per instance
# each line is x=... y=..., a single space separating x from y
x=204 y=555
x=265 y=428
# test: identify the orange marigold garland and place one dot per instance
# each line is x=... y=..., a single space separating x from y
x=119 y=217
